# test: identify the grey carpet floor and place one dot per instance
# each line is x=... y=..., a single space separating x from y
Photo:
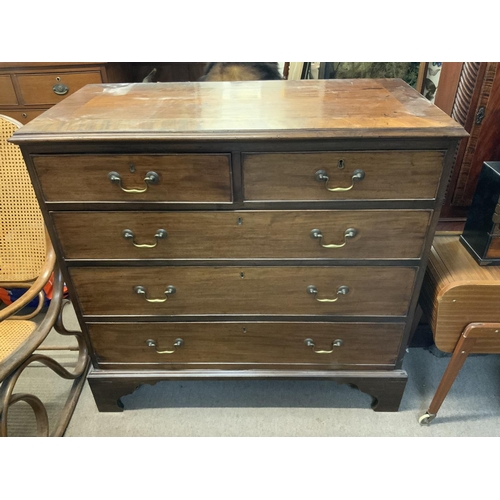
x=277 y=408
x=303 y=408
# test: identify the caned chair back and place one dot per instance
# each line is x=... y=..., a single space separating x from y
x=22 y=233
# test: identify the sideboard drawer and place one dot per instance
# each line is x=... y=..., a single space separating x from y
x=313 y=234
x=7 y=93
x=51 y=88
x=23 y=116
x=290 y=290
x=327 y=176
x=256 y=343
x=170 y=178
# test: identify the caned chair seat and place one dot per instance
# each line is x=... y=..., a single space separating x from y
x=13 y=333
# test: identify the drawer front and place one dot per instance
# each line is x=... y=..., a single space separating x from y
x=193 y=290
x=321 y=234
x=22 y=116
x=7 y=93
x=391 y=175
x=51 y=88
x=256 y=343
x=174 y=178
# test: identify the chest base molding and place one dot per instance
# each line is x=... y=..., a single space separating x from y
x=385 y=387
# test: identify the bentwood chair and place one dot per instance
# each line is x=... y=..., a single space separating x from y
x=27 y=260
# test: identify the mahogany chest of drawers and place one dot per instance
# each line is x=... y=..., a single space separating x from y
x=243 y=229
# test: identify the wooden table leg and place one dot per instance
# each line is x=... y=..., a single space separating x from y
x=464 y=347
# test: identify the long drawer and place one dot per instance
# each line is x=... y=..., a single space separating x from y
x=168 y=178
x=325 y=234
x=290 y=290
x=370 y=175
x=306 y=343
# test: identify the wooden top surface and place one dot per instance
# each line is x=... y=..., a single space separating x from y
x=457 y=267
x=383 y=108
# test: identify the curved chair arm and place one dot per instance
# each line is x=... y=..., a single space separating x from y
x=38 y=336
x=36 y=287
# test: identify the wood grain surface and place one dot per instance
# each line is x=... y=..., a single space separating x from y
x=243 y=110
x=377 y=291
x=256 y=343
x=391 y=175
x=458 y=291
x=381 y=234
x=183 y=178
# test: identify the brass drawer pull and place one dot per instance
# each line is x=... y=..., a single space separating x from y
x=140 y=290
x=129 y=235
x=349 y=233
x=60 y=89
x=342 y=290
x=335 y=343
x=322 y=176
x=152 y=343
x=151 y=178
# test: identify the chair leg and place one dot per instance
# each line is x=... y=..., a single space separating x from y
x=462 y=350
x=41 y=417
x=79 y=374
x=69 y=407
x=8 y=398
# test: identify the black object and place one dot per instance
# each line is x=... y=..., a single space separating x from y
x=481 y=234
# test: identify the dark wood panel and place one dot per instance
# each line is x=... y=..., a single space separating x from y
x=392 y=175
x=361 y=344
x=181 y=178
x=378 y=291
x=242 y=235
x=108 y=386
x=99 y=145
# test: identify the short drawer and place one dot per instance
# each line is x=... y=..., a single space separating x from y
x=7 y=93
x=51 y=88
x=165 y=178
x=256 y=343
x=290 y=290
x=328 y=176
x=314 y=234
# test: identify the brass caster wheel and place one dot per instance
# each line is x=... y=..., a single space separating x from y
x=426 y=419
